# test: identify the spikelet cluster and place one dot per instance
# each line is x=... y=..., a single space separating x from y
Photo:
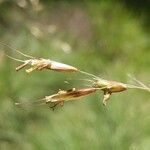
x=96 y=83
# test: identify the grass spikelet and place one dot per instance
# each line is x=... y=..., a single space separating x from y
x=60 y=97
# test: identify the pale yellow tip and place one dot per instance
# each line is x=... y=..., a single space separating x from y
x=17 y=104
x=29 y=70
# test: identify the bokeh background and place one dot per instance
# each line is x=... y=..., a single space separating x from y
x=108 y=38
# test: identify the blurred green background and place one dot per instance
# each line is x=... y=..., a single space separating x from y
x=109 y=38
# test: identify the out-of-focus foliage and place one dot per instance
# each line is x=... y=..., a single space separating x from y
x=106 y=38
